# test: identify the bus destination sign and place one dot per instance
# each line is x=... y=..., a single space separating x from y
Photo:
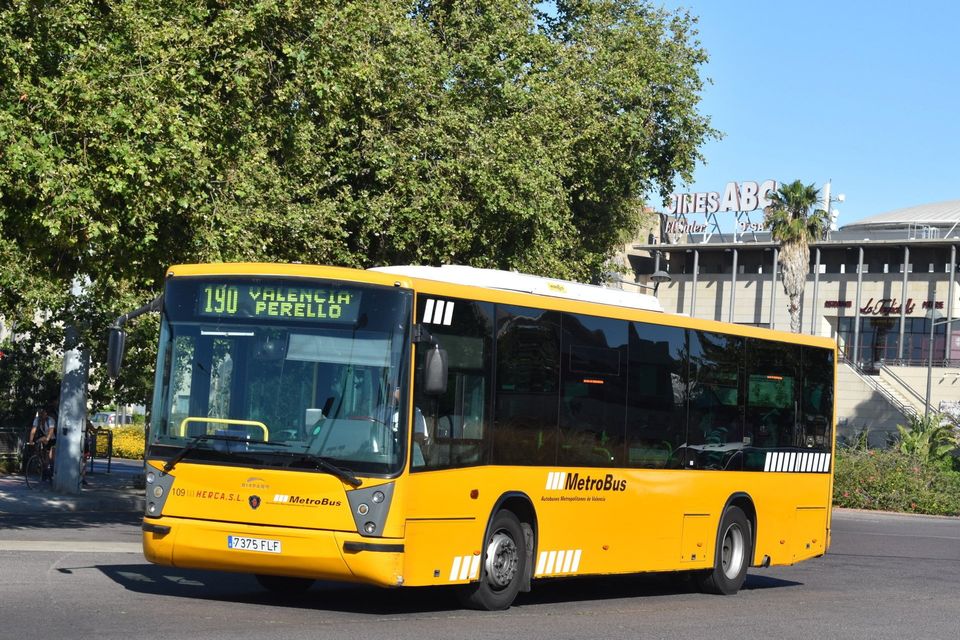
x=278 y=302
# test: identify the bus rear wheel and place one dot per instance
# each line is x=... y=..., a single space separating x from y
x=734 y=542
x=284 y=584
x=502 y=567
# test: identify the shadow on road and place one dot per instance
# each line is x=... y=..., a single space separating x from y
x=346 y=598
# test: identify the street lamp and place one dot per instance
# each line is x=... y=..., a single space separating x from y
x=935 y=321
x=659 y=276
x=832 y=214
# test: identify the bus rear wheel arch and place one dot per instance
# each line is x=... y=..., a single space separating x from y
x=505 y=565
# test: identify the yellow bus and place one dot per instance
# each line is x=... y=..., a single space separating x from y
x=413 y=426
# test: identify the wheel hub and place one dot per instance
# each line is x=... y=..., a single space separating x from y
x=502 y=560
x=732 y=551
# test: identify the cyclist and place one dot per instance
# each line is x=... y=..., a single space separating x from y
x=44 y=429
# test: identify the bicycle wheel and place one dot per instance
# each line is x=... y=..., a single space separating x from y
x=34 y=472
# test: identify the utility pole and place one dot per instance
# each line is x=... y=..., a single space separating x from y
x=71 y=419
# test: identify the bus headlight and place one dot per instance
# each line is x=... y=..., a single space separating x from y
x=151 y=477
x=158 y=492
x=370 y=507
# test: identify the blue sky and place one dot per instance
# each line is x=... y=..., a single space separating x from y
x=866 y=94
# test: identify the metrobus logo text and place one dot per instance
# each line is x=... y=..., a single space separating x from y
x=561 y=481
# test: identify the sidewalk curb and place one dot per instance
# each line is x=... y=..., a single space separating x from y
x=11 y=504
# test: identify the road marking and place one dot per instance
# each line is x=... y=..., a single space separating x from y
x=67 y=546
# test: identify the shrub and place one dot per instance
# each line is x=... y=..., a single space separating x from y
x=890 y=480
x=930 y=439
x=127 y=443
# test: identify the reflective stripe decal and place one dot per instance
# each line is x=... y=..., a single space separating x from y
x=555 y=480
x=465 y=567
x=550 y=563
x=797 y=462
x=438 y=312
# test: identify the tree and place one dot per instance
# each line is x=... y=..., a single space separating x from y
x=794 y=224
x=137 y=134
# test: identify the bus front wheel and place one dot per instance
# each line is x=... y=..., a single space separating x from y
x=502 y=567
x=732 y=557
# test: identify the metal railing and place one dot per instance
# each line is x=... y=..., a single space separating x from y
x=906 y=387
x=920 y=362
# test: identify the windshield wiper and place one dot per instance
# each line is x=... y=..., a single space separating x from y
x=323 y=465
x=195 y=442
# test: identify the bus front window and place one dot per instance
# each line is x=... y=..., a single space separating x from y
x=289 y=378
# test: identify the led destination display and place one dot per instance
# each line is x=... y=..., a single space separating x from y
x=278 y=302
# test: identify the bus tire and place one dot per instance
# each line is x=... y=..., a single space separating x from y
x=502 y=567
x=284 y=584
x=732 y=555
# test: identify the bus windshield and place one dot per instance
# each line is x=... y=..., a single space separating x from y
x=283 y=373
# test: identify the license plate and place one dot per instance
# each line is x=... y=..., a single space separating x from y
x=244 y=543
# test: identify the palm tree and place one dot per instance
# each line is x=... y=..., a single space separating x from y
x=794 y=223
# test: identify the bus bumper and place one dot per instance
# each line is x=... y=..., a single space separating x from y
x=306 y=553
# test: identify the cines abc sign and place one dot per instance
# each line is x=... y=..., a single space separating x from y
x=742 y=196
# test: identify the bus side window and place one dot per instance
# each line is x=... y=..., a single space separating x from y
x=816 y=406
x=771 y=403
x=657 y=396
x=715 y=419
x=528 y=386
x=593 y=391
x=457 y=422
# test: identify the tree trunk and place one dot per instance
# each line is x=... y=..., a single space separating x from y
x=794 y=263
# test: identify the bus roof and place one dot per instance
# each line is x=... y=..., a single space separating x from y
x=525 y=283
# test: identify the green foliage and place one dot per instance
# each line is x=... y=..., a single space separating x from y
x=137 y=134
x=29 y=379
x=889 y=480
x=789 y=214
x=929 y=439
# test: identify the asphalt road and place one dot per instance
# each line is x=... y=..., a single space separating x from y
x=81 y=576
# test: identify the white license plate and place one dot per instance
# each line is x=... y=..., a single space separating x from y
x=244 y=543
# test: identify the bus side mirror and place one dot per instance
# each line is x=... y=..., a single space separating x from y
x=435 y=372
x=118 y=337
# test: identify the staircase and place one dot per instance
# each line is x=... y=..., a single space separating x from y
x=864 y=403
x=901 y=390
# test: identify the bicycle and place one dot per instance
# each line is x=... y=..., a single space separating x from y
x=38 y=469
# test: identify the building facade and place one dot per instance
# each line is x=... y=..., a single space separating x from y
x=878 y=286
